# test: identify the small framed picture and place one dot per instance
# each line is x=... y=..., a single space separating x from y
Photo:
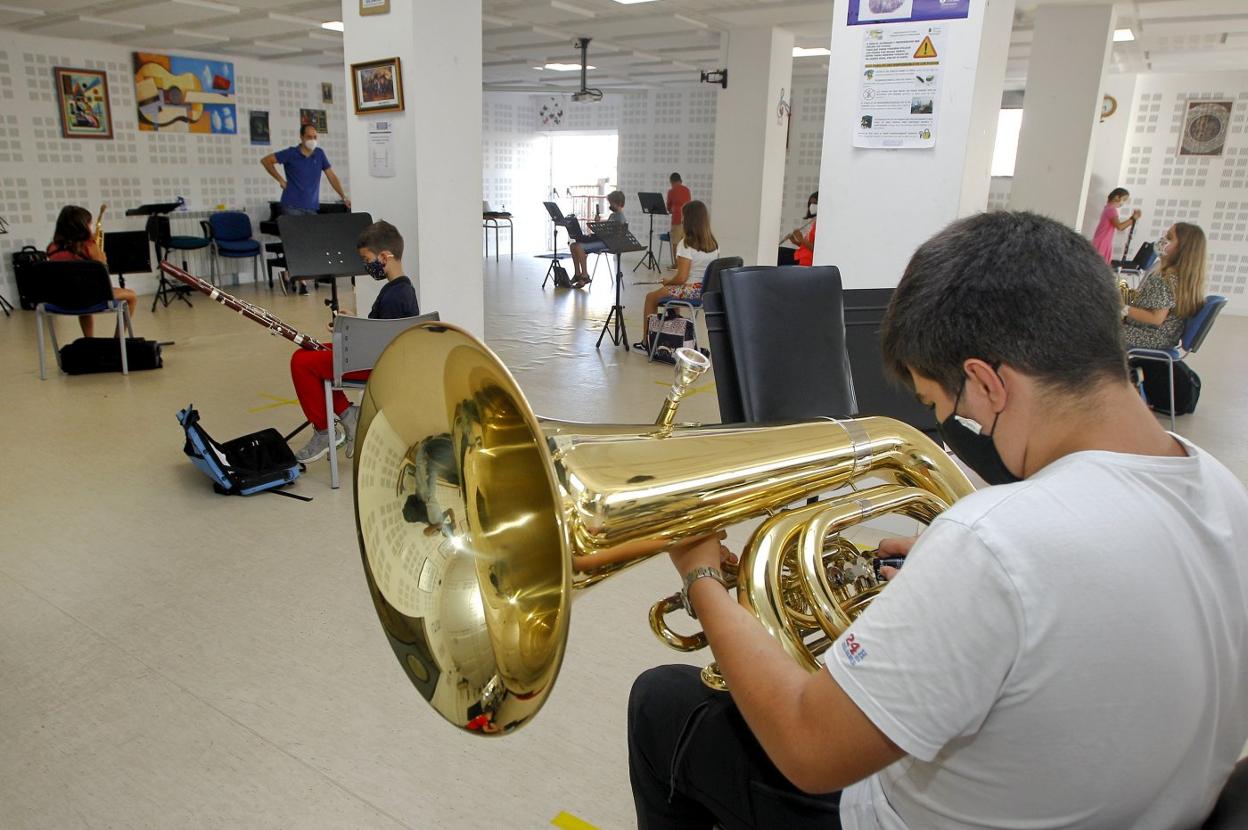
x=378 y=86
x=374 y=6
x=327 y=92
x=1205 y=128
x=82 y=96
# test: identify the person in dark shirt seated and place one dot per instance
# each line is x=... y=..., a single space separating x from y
x=583 y=247
x=380 y=245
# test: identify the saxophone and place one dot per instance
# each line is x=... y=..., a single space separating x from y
x=99 y=229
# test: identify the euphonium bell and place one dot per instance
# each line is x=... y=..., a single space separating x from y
x=478 y=522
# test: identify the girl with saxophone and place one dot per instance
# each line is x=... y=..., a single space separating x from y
x=74 y=239
x=1170 y=294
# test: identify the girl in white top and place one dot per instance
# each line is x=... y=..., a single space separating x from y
x=697 y=250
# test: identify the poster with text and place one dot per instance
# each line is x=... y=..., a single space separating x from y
x=863 y=12
x=176 y=94
x=899 y=87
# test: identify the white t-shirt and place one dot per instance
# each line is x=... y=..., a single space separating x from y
x=700 y=259
x=1069 y=651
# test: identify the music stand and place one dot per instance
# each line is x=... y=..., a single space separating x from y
x=322 y=245
x=619 y=241
x=154 y=208
x=129 y=252
x=5 y=305
x=555 y=255
x=652 y=204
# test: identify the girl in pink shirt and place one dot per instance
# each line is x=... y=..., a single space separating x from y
x=1103 y=239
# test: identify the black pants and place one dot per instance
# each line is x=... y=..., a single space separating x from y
x=693 y=762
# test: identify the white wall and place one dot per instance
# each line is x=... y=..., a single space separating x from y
x=1209 y=191
x=40 y=172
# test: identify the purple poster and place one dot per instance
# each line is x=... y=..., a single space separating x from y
x=862 y=12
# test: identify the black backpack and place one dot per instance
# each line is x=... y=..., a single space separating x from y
x=1157 y=387
x=27 y=289
x=87 y=355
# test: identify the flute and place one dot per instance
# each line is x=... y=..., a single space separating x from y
x=801 y=230
x=251 y=312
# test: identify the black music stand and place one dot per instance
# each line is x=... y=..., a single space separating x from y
x=165 y=288
x=652 y=204
x=619 y=241
x=322 y=245
x=129 y=252
x=5 y=305
x=555 y=255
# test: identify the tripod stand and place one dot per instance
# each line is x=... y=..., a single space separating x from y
x=5 y=305
x=619 y=242
x=652 y=204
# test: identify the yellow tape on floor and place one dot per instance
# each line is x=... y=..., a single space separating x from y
x=567 y=821
x=277 y=402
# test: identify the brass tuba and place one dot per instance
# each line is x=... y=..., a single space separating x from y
x=478 y=523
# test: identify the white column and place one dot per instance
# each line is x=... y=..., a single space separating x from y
x=1061 y=108
x=877 y=206
x=749 y=144
x=435 y=197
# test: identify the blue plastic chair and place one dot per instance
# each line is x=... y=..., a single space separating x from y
x=710 y=282
x=74 y=289
x=1194 y=334
x=231 y=238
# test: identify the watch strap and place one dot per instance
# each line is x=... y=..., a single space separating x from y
x=700 y=572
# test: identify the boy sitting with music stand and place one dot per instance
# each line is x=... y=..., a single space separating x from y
x=380 y=245
x=583 y=246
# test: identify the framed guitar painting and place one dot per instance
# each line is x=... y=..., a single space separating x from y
x=189 y=95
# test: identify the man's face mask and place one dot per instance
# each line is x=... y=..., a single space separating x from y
x=977 y=450
x=376 y=268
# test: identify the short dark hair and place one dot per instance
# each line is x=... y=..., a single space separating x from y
x=676 y=179
x=1116 y=192
x=381 y=236
x=616 y=197
x=1006 y=287
x=303 y=129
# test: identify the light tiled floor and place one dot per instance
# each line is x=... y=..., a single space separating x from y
x=172 y=658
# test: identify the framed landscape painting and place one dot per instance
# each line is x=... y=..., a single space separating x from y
x=378 y=86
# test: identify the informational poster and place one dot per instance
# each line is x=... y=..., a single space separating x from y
x=899 y=87
x=864 y=12
x=381 y=149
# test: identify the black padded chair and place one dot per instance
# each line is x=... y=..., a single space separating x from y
x=778 y=343
x=75 y=288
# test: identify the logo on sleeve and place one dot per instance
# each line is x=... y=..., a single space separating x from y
x=855 y=652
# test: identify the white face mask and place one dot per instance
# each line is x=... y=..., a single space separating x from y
x=310 y=144
x=813 y=209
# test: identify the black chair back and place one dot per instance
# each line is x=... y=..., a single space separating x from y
x=710 y=278
x=778 y=344
x=73 y=284
x=158 y=230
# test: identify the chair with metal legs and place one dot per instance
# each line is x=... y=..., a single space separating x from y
x=1194 y=334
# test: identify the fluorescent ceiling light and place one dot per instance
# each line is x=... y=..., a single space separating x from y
x=566 y=67
x=1123 y=35
x=631 y=2
x=803 y=52
x=332 y=25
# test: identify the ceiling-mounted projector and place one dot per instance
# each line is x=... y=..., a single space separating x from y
x=585 y=93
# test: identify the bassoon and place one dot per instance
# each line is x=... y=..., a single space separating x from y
x=251 y=312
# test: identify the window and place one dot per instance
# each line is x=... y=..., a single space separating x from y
x=1009 y=122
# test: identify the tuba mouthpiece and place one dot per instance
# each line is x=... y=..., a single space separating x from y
x=691 y=364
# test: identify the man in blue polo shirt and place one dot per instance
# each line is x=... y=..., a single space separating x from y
x=301 y=188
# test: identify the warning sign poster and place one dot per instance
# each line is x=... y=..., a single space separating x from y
x=899 y=87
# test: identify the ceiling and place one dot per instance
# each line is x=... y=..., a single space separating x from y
x=646 y=45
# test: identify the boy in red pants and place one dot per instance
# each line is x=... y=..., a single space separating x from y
x=381 y=247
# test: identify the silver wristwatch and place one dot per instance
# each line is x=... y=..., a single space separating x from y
x=692 y=577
